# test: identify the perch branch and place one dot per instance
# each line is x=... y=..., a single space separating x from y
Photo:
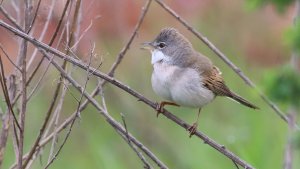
x=108 y=118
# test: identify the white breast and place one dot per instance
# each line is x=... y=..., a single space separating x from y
x=162 y=77
x=180 y=85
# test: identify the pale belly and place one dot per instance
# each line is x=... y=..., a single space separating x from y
x=180 y=85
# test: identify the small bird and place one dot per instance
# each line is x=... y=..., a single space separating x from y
x=183 y=76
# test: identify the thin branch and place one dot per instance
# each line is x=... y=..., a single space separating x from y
x=6 y=93
x=57 y=89
x=10 y=18
x=34 y=17
x=140 y=155
x=52 y=39
x=42 y=129
x=77 y=115
x=109 y=119
x=21 y=61
x=1 y=47
x=288 y=154
x=55 y=120
x=43 y=33
x=225 y=59
x=83 y=33
x=3 y=135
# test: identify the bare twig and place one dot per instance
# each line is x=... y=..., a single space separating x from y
x=52 y=39
x=5 y=53
x=77 y=113
x=34 y=17
x=57 y=89
x=22 y=63
x=140 y=155
x=43 y=32
x=109 y=119
x=83 y=33
x=55 y=119
x=42 y=129
x=3 y=135
x=6 y=94
x=122 y=52
x=10 y=18
x=288 y=154
x=225 y=59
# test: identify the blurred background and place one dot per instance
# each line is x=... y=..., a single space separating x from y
x=257 y=37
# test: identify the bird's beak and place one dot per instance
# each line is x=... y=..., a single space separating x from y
x=147 y=45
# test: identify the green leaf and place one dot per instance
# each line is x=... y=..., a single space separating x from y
x=281 y=5
x=283 y=85
x=293 y=37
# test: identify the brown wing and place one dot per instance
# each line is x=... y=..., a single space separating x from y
x=214 y=81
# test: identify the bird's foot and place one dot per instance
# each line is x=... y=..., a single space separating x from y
x=160 y=106
x=192 y=130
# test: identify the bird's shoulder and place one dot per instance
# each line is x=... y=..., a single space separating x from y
x=211 y=76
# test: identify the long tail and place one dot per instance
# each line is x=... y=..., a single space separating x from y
x=242 y=100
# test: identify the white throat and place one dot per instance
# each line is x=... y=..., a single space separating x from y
x=158 y=56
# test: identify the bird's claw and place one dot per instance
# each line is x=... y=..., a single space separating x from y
x=158 y=109
x=192 y=130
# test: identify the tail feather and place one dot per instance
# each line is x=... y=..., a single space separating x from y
x=242 y=100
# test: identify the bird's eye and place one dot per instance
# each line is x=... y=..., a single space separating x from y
x=161 y=45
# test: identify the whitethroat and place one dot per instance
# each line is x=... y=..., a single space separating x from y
x=183 y=76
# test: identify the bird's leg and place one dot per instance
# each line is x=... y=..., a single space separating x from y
x=193 y=128
x=160 y=106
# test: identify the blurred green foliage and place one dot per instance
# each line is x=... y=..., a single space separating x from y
x=293 y=36
x=283 y=85
x=281 y=5
x=296 y=140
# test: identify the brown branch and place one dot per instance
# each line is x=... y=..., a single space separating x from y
x=77 y=113
x=21 y=62
x=10 y=18
x=42 y=129
x=57 y=89
x=288 y=154
x=6 y=93
x=43 y=33
x=95 y=72
x=225 y=59
x=3 y=135
x=108 y=118
x=122 y=52
x=34 y=17
x=127 y=138
x=5 y=53
x=52 y=39
x=50 y=44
